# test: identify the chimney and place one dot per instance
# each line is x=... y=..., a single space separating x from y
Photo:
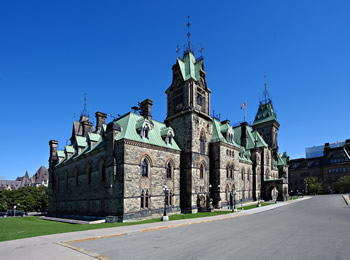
x=326 y=149
x=244 y=137
x=146 y=109
x=87 y=127
x=53 y=152
x=100 y=120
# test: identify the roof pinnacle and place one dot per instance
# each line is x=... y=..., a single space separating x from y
x=188 y=34
x=84 y=112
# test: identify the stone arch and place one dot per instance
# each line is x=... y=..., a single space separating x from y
x=169 y=166
x=148 y=156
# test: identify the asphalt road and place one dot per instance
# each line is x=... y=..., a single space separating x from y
x=317 y=228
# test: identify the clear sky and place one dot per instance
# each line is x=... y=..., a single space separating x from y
x=121 y=52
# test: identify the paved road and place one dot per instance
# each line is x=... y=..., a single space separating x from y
x=317 y=228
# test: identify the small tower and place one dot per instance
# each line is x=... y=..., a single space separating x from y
x=265 y=121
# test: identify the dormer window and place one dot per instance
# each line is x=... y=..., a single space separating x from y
x=167 y=135
x=146 y=132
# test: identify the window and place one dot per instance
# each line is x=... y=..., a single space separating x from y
x=201 y=172
x=248 y=175
x=168 y=170
x=330 y=171
x=199 y=99
x=231 y=171
x=146 y=200
x=336 y=170
x=144 y=168
x=242 y=174
x=202 y=143
x=170 y=199
x=146 y=132
x=333 y=170
x=344 y=169
x=142 y=200
x=227 y=172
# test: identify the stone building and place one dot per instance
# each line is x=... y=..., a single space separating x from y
x=120 y=168
x=41 y=177
x=327 y=164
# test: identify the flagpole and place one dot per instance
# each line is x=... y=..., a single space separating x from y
x=245 y=119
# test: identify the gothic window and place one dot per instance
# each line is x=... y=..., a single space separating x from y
x=267 y=174
x=144 y=168
x=248 y=175
x=146 y=132
x=202 y=143
x=146 y=200
x=231 y=171
x=169 y=170
x=142 y=200
x=267 y=158
x=243 y=172
x=201 y=172
x=227 y=171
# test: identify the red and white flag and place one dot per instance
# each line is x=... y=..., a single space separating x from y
x=336 y=142
x=243 y=105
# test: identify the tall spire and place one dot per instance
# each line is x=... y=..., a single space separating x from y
x=84 y=112
x=188 y=34
x=266 y=94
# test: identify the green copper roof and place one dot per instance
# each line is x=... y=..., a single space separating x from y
x=281 y=160
x=61 y=154
x=265 y=114
x=129 y=124
x=189 y=67
x=252 y=135
x=69 y=149
x=81 y=141
x=218 y=130
x=94 y=137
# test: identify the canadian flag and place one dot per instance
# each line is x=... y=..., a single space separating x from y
x=336 y=142
x=243 y=105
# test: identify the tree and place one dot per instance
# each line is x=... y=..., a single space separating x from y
x=313 y=185
x=343 y=184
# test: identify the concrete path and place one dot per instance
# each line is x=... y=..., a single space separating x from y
x=64 y=246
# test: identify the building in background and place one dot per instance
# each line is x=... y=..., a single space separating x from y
x=120 y=168
x=327 y=163
x=41 y=177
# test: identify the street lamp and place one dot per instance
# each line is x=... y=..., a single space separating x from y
x=166 y=191
x=234 y=201
x=209 y=206
x=259 y=205
x=219 y=198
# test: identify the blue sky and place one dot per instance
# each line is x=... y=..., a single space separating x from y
x=121 y=52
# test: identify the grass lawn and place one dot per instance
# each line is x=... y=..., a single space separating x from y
x=255 y=205
x=16 y=228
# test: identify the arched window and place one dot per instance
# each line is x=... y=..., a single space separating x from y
x=146 y=132
x=227 y=171
x=249 y=175
x=267 y=158
x=142 y=200
x=201 y=172
x=243 y=172
x=170 y=198
x=144 y=168
x=267 y=174
x=202 y=143
x=231 y=171
x=146 y=200
x=169 y=170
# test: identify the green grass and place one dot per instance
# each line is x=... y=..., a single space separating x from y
x=255 y=205
x=16 y=228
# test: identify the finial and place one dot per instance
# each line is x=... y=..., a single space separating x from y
x=188 y=34
x=177 y=50
x=84 y=112
x=266 y=93
x=201 y=50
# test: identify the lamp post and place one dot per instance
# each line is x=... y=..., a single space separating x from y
x=209 y=206
x=219 y=198
x=259 y=205
x=234 y=201
x=14 y=210
x=166 y=191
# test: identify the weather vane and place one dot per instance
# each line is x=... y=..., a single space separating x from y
x=177 y=50
x=201 y=50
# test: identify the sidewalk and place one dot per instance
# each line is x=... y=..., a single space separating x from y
x=57 y=246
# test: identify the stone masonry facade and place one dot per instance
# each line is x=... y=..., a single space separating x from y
x=132 y=166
